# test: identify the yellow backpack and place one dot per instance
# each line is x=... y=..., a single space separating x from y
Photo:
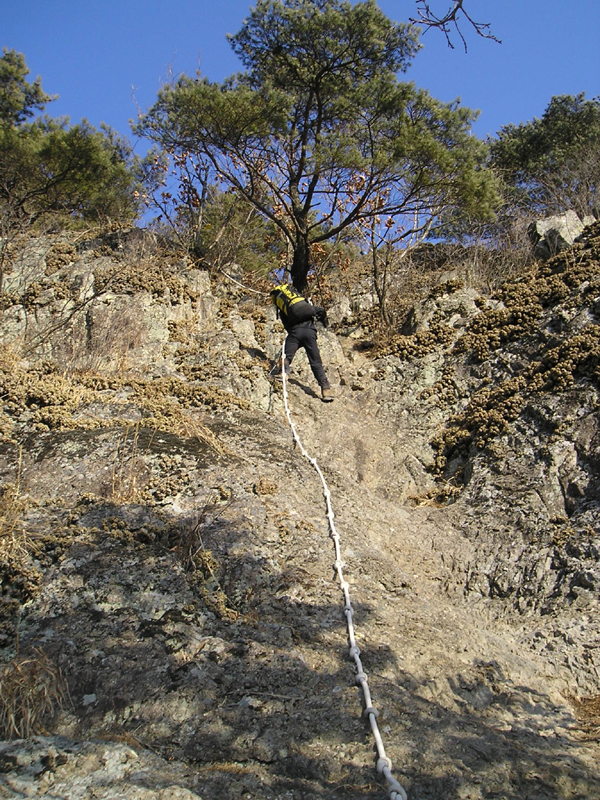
x=292 y=305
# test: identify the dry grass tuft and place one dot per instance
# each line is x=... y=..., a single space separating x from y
x=13 y=539
x=32 y=689
x=128 y=467
x=196 y=430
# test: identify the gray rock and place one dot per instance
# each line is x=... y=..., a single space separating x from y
x=554 y=234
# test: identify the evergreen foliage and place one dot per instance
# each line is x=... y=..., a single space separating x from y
x=78 y=172
x=318 y=133
x=48 y=169
x=552 y=164
x=18 y=98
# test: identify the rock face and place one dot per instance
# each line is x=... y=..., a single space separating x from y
x=167 y=562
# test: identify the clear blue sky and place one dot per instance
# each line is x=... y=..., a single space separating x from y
x=105 y=58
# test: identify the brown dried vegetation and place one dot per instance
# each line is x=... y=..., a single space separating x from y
x=420 y=344
x=558 y=361
x=32 y=689
x=158 y=278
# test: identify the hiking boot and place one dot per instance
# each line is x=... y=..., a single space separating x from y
x=327 y=395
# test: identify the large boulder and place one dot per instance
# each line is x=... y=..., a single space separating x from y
x=553 y=234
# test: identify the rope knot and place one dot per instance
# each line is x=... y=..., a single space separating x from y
x=354 y=651
x=371 y=710
x=383 y=764
x=396 y=791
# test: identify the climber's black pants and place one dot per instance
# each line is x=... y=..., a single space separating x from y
x=305 y=335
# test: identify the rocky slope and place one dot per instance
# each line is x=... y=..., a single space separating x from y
x=171 y=622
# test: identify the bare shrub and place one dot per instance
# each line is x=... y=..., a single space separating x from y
x=110 y=341
x=484 y=261
x=202 y=566
x=506 y=249
x=139 y=244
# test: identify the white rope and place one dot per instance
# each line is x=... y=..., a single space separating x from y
x=384 y=765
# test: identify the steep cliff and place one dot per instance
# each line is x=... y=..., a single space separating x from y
x=170 y=611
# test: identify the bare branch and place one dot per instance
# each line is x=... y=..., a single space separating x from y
x=451 y=20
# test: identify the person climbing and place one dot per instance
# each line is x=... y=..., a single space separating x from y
x=297 y=316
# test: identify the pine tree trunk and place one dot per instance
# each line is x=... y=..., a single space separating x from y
x=300 y=263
